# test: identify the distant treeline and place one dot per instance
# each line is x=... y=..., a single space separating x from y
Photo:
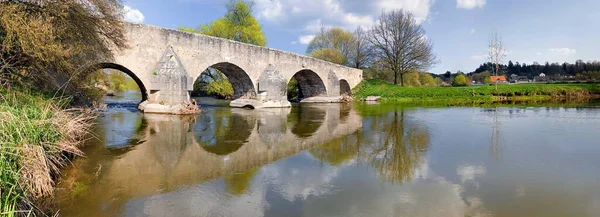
x=579 y=68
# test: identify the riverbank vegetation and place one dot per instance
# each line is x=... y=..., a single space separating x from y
x=476 y=94
x=41 y=60
x=39 y=134
x=39 y=49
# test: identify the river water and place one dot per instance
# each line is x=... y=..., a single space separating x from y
x=338 y=160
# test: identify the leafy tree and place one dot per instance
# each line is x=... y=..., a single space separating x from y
x=117 y=81
x=131 y=85
x=448 y=76
x=342 y=47
x=400 y=42
x=480 y=77
x=212 y=82
x=222 y=89
x=438 y=81
x=38 y=44
x=238 y=24
x=329 y=54
x=292 y=89
x=186 y=29
x=378 y=71
x=460 y=80
x=412 y=79
x=426 y=79
x=332 y=44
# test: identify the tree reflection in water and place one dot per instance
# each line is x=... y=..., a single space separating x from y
x=397 y=150
x=223 y=132
x=237 y=183
x=391 y=143
x=306 y=120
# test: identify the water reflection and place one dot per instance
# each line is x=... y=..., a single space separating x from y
x=223 y=131
x=306 y=120
x=327 y=160
x=398 y=147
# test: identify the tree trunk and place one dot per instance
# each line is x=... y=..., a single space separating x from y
x=401 y=79
x=395 y=78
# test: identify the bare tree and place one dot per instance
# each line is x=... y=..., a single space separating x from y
x=400 y=42
x=496 y=51
x=361 y=51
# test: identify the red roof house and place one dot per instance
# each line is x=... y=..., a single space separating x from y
x=494 y=79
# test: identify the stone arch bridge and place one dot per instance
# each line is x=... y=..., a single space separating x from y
x=165 y=63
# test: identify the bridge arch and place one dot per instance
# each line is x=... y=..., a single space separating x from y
x=243 y=87
x=109 y=65
x=310 y=84
x=345 y=88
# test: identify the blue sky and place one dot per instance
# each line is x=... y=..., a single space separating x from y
x=532 y=30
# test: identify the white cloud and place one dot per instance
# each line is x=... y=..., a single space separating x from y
x=309 y=16
x=479 y=57
x=563 y=51
x=306 y=18
x=539 y=53
x=305 y=39
x=132 y=15
x=420 y=8
x=469 y=173
x=296 y=9
x=470 y=4
x=315 y=26
x=269 y=10
x=472 y=31
x=355 y=20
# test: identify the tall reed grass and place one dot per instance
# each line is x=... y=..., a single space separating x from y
x=38 y=135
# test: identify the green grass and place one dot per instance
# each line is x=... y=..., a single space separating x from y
x=37 y=133
x=475 y=94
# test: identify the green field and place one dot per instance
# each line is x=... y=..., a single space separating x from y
x=476 y=94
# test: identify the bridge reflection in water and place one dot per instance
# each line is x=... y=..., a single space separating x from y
x=150 y=154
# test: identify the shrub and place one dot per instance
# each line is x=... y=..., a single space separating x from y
x=460 y=80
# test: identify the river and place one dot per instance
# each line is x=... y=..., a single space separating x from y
x=338 y=160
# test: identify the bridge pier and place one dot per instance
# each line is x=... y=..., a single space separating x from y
x=271 y=91
x=170 y=87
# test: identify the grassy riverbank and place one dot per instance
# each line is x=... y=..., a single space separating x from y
x=476 y=94
x=37 y=136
